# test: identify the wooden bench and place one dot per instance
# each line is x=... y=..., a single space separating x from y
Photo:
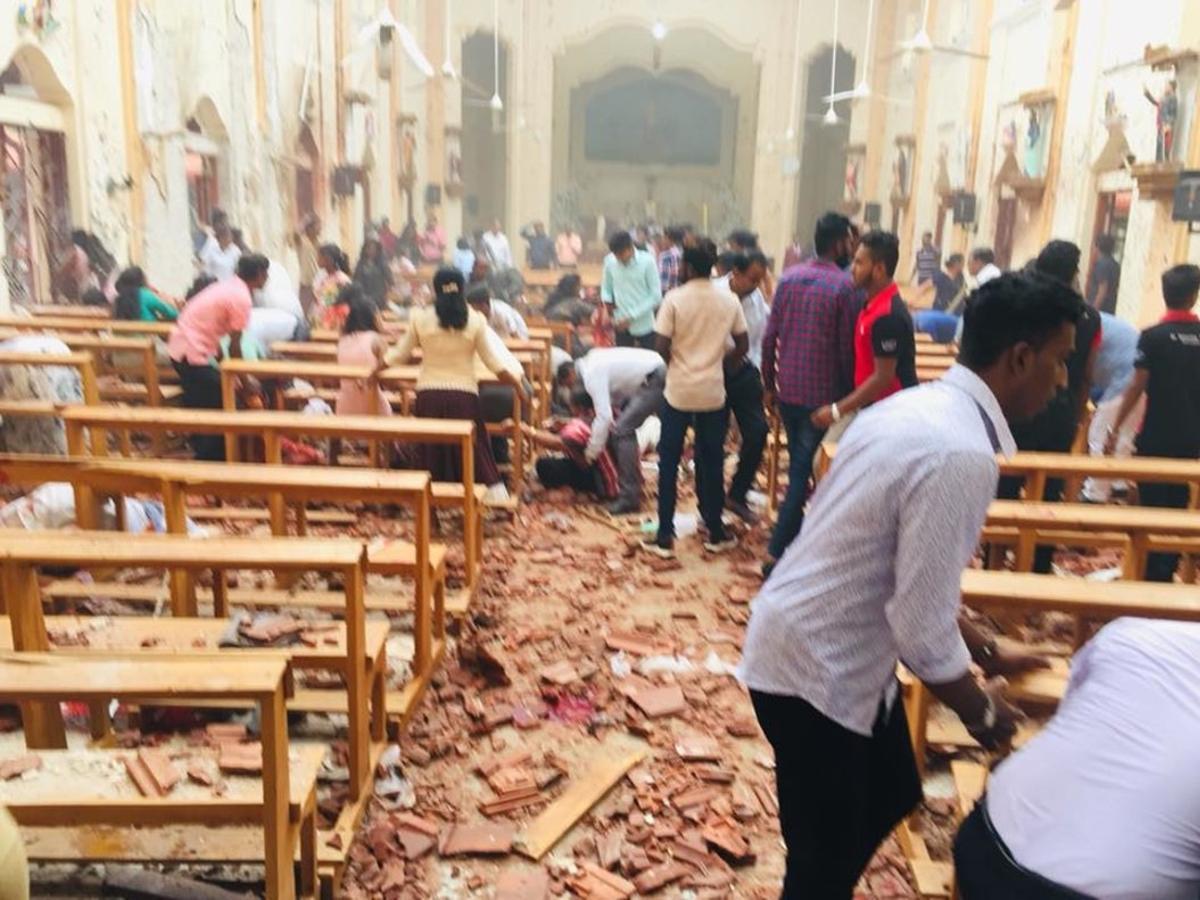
x=402 y=379
x=70 y=310
x=272 y=426
x=82 y=324
x=82 y=363
x=285 y=805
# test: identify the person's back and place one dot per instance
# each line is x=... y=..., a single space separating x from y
x=816 y=305
x=1170 y=351
x=1053 y=429
x=703 y=317
x=1105 y=799
x=448 y=354
x=1114 y=359
x=217 y=310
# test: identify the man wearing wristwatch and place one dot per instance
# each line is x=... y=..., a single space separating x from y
x=873 y=579
x=885 y=349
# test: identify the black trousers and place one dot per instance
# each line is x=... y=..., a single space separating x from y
x=202 y=390
x=840 y=793
x=559 y=472
x=985 y=870
x=744 y=398
x=1161 y=566
x=645 y=341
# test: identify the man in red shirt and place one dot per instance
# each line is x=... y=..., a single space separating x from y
x=885 y=350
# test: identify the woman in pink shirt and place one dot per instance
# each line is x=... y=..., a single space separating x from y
x=431 y=243
x=221 y=309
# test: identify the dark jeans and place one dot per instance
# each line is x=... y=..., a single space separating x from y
x=559 y=472
x=744 y=398
x=840 y=793
x=496 y=400
x=202 y=390
x=645 y=341
x=1161 y=566
x=1010 y=489
x=985 y=870
x=710 y=477
x=804 y=438
x=646 y=402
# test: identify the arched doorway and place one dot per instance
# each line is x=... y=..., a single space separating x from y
x=484 y=131
x=823 y=149
x=34 y=178
x=204 y=143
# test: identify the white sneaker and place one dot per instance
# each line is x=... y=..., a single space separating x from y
x=496 y=493
x=721 y=546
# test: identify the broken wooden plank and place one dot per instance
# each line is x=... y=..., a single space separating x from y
x=557 y=819
x=970 y=779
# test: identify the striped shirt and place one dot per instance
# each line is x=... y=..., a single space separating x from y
x=874 y=576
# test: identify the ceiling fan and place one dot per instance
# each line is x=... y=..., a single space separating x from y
x=862 y=90
x=921 y=42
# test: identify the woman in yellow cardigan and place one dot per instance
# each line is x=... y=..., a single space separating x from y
x=451 y=335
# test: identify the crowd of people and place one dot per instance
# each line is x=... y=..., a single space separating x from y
x=858 y=575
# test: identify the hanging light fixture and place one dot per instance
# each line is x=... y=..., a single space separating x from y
x=448 y=64
x=831 y=116
x=862 y=90
x=920 y=42
x=790 y=134
x=496 y=103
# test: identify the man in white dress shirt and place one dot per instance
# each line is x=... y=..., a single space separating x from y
x=1105 y=801
x=626 y=386
x=495 y=243
x=873 y=579
x=743 y=385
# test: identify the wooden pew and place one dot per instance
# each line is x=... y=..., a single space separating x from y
x=84 y=324
x=82 y=424
x=403 y=378
x=83 y=363
x=1139 y=522
x=174 y=481
x=70 y=311
x=287 y=812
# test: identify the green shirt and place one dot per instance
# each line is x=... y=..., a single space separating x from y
x=634 y=289
x=151 y=309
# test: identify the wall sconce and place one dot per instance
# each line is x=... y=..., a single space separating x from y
x=118 y=184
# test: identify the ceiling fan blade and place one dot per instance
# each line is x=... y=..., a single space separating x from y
x=958 y=51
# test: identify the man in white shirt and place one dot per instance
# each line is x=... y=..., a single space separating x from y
x=1105 y=800
x=982 y=266
x=505 y=320
x=628 y=379
x=873 y=578
x=279 y=296
x=743 y=384
x=220 y=253
x=495 y=242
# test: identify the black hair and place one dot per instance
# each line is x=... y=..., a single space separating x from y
x=743 y=239
x=251 y=265
x=335 y=253
x=1060 y=260
x=1019 y=307
x=620 y=241
x=568 y=286
x=462 y=243
x=367 y=243
x=831 y=228
x=727 y=260
x=747 y=260
x=699 y=259
x=94 y=297
x=676 y=233
x=884 y=247
x=360 y=312
x=80 y=238
x=1106 y=244
x=449 y=302
x=954 y=259
x=580 y=398
x=128 y=305
x=201 y=282
x=983 y=255
x=98 y=256
x=478 y=292
x=1179 y=286
x=563 y=370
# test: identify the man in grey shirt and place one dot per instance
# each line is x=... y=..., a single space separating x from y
x=873 y=579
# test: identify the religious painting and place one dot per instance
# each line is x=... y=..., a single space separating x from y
x=644 y=120
x=902 y=168
x=407 y=167
x=454 y=166
x=855 y=160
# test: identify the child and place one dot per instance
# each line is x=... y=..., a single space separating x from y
x=333 y=274
x=361 y=344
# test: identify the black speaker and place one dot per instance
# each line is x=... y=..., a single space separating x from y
x=433 y=195
x=1186 y=207
x=872 y=214
x=964 y=209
